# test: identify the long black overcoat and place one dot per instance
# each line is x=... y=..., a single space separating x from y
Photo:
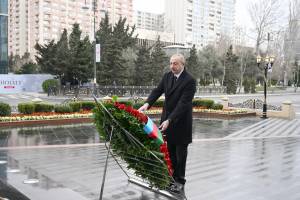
x=178 y=106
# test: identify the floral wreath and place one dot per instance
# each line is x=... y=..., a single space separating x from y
x=136 y=140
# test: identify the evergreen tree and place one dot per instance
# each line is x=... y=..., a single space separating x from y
x=143 y=68
x=113 y=71
x=192 y=62
x=105 y=31
x=210 y=67
x=46 y=58
x=125 y=35
x=130 y=56
x=231 y=72
x=80 y=57
x=62 y=57
x=29 y=68
x=159 y=61
x=112 y=68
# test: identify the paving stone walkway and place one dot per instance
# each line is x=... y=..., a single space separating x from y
x=258 y=162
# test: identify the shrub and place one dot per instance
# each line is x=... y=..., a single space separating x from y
x=247 y=85
x=26 y=108
x=43 y=107
x=76 y=106
x=88 y=105
x=5 y=109
x=159 y=103
x=127 y=103
x=138 y=105
x=50 y=83
x=208 y=103
x=217 y=106
x=62 y=109
x=253 y=86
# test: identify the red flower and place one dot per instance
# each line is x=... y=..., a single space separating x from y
x=121 y=106
x=134 y=112
x=142 y=118
x=116 y=104
x=163 y=148
x=128 y=109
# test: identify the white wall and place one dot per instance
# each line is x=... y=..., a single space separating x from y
x=12 y=84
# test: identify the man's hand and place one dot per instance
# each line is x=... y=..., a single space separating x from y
x=143 y=107
x=164 y=125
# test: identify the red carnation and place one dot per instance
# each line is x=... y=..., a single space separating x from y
x=134 y=112
x=142 y=118
x=116 y=104
x=128 y=109
x=121 y=106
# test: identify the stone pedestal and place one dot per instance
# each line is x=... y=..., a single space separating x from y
x=288 y=110
x=224 y=102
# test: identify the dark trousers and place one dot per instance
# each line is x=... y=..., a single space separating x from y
x=178 y=155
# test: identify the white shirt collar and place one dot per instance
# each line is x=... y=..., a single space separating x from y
x=177 y=75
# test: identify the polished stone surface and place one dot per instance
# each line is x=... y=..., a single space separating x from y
x=260 y=162
x=87 y=133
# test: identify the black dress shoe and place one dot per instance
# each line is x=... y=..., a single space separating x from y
x=177 y=188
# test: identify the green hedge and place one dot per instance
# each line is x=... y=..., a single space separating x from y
x=62 y=109
x=127 y=103
x=217 y=106
x=208 y=103
x=138 y=105
x=159 y=103
x=5 y=109
x=52 y=83
x=43 y=107
x=76 y=106
x=26 y=108
x=88 y=105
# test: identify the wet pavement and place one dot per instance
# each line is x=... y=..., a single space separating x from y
x=226 y=161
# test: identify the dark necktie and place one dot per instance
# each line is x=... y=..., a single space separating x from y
x=174 y=81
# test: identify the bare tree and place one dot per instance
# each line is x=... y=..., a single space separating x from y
x=291 y=38
x=264 y=15
x=221 y=49
x=277 y=49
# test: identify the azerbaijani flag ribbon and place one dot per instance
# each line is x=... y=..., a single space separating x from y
x=153 y=132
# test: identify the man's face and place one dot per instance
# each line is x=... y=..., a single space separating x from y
x=175 y=65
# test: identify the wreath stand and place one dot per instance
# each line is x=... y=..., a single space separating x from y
x=130 y=173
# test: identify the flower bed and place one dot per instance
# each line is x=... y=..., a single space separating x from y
x=46 y=116
x=60 y=118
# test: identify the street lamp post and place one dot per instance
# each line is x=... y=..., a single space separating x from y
x=269 y=60
x=94 y=46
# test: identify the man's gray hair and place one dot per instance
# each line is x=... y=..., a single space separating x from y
x=180 y=56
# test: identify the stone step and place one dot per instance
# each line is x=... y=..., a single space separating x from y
x=269 y=128
x=250 y=129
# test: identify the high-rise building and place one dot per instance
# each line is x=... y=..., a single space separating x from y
x=3 y=37
x=41 y=21
x=200 y=22
x=179 y=19
x=119 y=8
x=149 y=21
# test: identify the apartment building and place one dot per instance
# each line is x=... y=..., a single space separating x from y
x=148 y=21
x=200 y=22
x=40 y=21
x=3 y=37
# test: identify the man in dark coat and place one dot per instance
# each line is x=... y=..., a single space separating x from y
x=179 y=88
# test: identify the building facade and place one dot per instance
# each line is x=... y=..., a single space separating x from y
x=149 y=21
x=40 y=21
x=3 y=37
x=200 y=22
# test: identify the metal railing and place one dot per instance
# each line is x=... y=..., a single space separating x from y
x=128 y=91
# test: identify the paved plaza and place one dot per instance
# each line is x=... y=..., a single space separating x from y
x=261 y=162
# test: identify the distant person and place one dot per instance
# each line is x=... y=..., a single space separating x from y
x=179 y=88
